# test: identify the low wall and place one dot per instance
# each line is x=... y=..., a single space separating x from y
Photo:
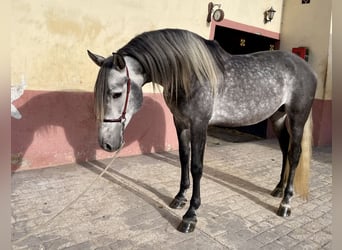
x=322 y=122
x=59 y=128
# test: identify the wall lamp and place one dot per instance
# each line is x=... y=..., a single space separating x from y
x=268 y=15
x=218 y=14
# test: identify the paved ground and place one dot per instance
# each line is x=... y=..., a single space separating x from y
x=128 y=208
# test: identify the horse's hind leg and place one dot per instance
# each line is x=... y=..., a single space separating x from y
x=279 y=128
x=296 y=127
x=183 y=135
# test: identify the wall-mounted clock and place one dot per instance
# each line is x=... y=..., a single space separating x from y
x=218 y=15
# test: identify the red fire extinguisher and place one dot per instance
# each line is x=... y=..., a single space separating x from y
x=303 y=52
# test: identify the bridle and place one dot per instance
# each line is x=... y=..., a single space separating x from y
x=122 y=117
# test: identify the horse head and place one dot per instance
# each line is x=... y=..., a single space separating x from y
x=118 y=95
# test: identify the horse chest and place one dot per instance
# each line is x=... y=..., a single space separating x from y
x=197 y=107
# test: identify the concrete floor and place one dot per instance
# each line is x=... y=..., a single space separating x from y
x=128 y=207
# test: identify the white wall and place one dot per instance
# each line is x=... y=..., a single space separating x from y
x=49 y=39
x=308 y=25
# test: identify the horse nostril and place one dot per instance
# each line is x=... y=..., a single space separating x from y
x=108 y=147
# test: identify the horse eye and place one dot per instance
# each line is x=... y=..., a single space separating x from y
x=117 y=95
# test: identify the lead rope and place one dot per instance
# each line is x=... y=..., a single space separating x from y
x=80 y=195
x=123 y=121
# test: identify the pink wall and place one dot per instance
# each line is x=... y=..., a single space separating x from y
x=322 y=122
x=59 y=128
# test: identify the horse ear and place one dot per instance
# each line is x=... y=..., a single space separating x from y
x=118 y=61
x=96 y=58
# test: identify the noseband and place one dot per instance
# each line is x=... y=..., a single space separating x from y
x=122 y=117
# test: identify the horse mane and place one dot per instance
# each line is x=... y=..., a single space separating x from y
x=172 y=57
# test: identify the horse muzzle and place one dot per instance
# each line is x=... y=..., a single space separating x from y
x=110 y=146
x=110 y=136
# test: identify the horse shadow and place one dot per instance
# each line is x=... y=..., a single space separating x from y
x=45 y=114
x=239 y=185
x=234 y=183
x=111 y=175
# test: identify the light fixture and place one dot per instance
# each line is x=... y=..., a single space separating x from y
x=218 y=14
x=268 y=15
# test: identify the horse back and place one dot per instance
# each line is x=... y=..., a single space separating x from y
x=254 y=86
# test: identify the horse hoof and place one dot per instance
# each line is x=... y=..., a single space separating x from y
x=187 y=226
x=277 y=192
x=178 y=203
x=284 y=210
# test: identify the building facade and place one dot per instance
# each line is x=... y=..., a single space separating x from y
x=49 y=42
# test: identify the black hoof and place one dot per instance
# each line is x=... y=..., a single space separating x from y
x=178 y=203
x=187 y=226
x=284 y=210
x=277 y=192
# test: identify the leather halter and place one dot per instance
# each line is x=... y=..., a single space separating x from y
x=122 y=117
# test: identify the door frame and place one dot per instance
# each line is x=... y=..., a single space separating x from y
x=242 y=27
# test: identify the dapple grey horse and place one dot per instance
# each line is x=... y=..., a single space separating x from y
x=204 y=85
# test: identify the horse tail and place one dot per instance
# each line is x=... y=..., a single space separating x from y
x=301 y=179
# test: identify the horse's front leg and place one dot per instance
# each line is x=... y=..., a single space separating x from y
x=183 y=135
x=198 y=139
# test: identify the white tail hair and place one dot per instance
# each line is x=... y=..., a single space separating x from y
x=302 y=175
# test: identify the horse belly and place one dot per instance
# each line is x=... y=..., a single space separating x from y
x=244 y=112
